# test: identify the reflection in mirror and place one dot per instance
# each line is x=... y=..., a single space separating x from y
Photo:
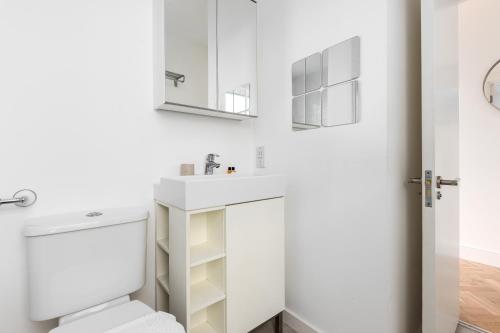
x=237 y=54
x=190 y=52
x=491 y=86
x=238 y=100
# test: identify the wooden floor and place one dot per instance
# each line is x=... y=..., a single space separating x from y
x=480 y=295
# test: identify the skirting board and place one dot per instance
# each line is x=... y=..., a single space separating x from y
x=481 y=256
x=466 y=328
x=298 y=324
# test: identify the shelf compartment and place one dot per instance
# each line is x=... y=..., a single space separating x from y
x=204 y=294
x=206 y=252
x=162 y=263
x=207 y=285
x=163 y=244
x=162 y=217
x=203 y=328
x=207 y=228
x=209 y=320
x=206 y=237
x=163 y=281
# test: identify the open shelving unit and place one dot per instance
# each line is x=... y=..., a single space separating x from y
x=209 y=320
x=207 y=271
x=191 y=267
x=162 y=258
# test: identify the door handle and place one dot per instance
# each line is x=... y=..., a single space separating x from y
x=448 y=182
x=416 y=180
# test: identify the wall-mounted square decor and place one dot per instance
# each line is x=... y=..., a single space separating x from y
x=324 y=87
x=341 y=62
x=313 y=72
x=313 y=108
x=339 y=105
x=299 y=77
x=299 y=109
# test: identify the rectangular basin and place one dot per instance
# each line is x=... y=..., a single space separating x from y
x=198 y=192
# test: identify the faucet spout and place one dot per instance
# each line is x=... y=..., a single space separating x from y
x=210 y=164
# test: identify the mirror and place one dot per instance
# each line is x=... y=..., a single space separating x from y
x=325 y=87
x=237 y=54
x=190 y=52
x=313 y=72
x=341 y=62
x=339 y=104
x=491 y=86
x=211 y=56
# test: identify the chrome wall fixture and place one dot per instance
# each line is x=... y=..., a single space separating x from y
x=325 y=87
x=176 y=77
x=22 y=198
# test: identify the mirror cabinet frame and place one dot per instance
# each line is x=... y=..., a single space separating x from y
x=159 y=95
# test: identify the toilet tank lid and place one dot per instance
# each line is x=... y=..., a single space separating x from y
x=55 y=224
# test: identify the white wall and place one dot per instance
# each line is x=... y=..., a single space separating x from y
x=479 y=133
x=77 y=124
x=352 y=230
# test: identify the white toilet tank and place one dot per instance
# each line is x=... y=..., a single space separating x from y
x=79 y=260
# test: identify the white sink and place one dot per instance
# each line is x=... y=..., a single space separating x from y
x=197 y=192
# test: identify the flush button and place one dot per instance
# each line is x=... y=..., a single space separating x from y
x=93 y=214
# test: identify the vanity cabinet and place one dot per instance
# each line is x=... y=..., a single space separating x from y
x=221 y=269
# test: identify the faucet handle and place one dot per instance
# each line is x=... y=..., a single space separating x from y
x=211 y=157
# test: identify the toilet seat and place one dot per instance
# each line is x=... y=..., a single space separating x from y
x=111 y=319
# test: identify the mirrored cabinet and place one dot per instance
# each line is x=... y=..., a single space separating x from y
x=207 y=57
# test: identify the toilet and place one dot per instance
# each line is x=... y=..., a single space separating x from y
x=83 y=266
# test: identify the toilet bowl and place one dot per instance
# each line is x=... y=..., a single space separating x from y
x=83 y=266
x=129 y=317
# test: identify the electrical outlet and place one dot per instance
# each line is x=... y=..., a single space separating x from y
x=260 y=157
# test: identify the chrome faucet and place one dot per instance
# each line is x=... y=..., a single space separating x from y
x=211 y=164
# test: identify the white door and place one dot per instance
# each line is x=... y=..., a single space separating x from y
x=440 y=159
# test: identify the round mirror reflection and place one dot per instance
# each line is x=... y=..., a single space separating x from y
x=491 y=86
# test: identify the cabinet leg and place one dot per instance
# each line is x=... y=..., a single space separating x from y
x=278 y=323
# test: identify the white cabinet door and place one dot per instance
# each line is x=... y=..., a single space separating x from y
x=255 y=263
